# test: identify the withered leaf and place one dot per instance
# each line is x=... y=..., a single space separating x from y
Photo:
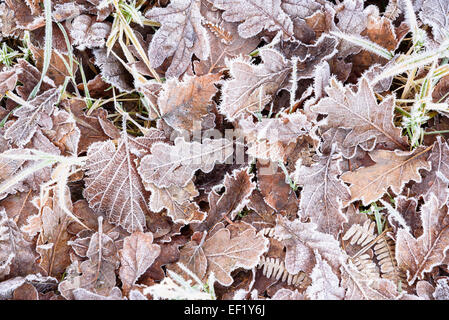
x=137 y=255
x=112 y=69
x=273 y=138
x=370 y=123
x=436 y=180
x=393 y=169
x=252 y=86
x=29 y=76
x=434 y=13
x=113 y=185
x=228 y=250
x=36 y=114
x=323 y=193
x=184 y=104
x=181 y=35
x=302 y=240
x=359 y=287
x=17 y=257
x=177 y=201
x=325 y=283
x=87 y=33
x=8 y=81
x=175 y=165
x=52 y=243
x=256 y=15
x=238 y=188
x=419 y=255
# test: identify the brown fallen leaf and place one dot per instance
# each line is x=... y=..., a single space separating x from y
x=419 y=255
x=137 y=255
x=393 y=169
x=183 y=105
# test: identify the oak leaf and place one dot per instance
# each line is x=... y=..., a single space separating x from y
x=323 y=193
x=436 y=181
x=393 y=169
x=434 y=13
x=177 y=201
x=419 y=255
x=17 y=258
x=252 y=86
x=228 y=250
x=175 y=165
x=370 y=123
x=325 y=283
x=302 y=240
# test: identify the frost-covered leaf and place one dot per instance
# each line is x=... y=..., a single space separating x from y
x=181 y=35
x=287 y=294
x=393 y=169
x=252 y=86
x=175 y=165
x=436 y=181
x=229 y=249
x=435 y=14
x=17 y=257
x=419 y=255
x=113 y=185
x=256 y=15
x=325 y=283
x=360 y=287
x=273 y=138
x=29 y=76
x=137 y=255
x=8 y=81
x=224 y=41
x=183 y=105
x=112 y=69
x=87 y=33
x=177 y=201
x=302 y=240
x=238 y=188
x=323 y=193
x=370 y=123
x=36 y=114
x=52 y=244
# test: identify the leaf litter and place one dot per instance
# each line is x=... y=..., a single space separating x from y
x=210 y=149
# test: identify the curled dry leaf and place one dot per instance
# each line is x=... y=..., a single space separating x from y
x=8 y=80
x=419 y=255
x=87 y=33
x=175 y=165
x=181 y=36
x=393 y=169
